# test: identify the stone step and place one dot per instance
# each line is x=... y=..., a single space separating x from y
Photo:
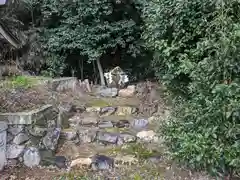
x=110 y=110
x=83 y=135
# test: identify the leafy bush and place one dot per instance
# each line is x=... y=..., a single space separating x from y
x=55 y=66
x=196 y=54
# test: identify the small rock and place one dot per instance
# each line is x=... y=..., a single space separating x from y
x=20 y=138
x=127 y=92
x=3 y=126
x=107 y=111
x=106 y=137
x=147 y=135
x=31 y=157
x=14 y=151
x=93 y=109
x=101 y=162
x=16 y=129
x=127 y=138
x=60 y=162
x=37 y=131
x=69 y=134
x=125 y=110
x=89 y=118
x=108 y=92
x=105 y=124
x=81 y=161
x=122 y=124
x=87 y=135
x=50 y=141
x=139 y=123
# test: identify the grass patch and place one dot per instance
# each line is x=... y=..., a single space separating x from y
x=20 y=81
x=72 y=176
x=98 y=103
x=137 y=149
x=115 y=130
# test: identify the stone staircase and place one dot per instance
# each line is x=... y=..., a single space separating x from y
x=97 y=130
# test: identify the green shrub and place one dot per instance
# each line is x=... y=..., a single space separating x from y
x=197 y=50
x=22 y=81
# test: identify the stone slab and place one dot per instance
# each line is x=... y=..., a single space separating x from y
x=28 y=118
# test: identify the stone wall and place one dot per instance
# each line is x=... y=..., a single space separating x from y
x=24 y=134
x=61 y=84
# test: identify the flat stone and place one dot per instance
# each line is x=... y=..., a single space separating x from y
x=20 y=138
x=107 y=111
x=3 y=144
x=28 y=118
x=50 y=140
x=87 y=135
x=125 y=110
x=147 y=136
x=106 y=137
x=105 y=124
x=16 y=118
x=31 y=157
x=15 y=129
x=122 y=124
x=108 y=92
x=89 y=118
x=61 y=162
x=102 y=162
x=37 y=131
x=14 y=151
x=69 y=134
x=93 y=109
x=127 y=138
x=127 y=92
x=85 y=161
x=3 y=126
x=139 y=123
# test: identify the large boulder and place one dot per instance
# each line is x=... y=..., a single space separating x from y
x=130 y=91
x=107 y=92
x=116 y=78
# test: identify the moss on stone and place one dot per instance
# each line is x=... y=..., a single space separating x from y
x=98 y=103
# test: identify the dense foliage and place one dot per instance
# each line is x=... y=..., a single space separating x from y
x=90 y=29
x=197 y=49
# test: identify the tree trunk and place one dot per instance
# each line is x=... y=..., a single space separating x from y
x=100 y=72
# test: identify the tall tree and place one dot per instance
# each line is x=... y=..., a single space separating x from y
x=91 y=28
